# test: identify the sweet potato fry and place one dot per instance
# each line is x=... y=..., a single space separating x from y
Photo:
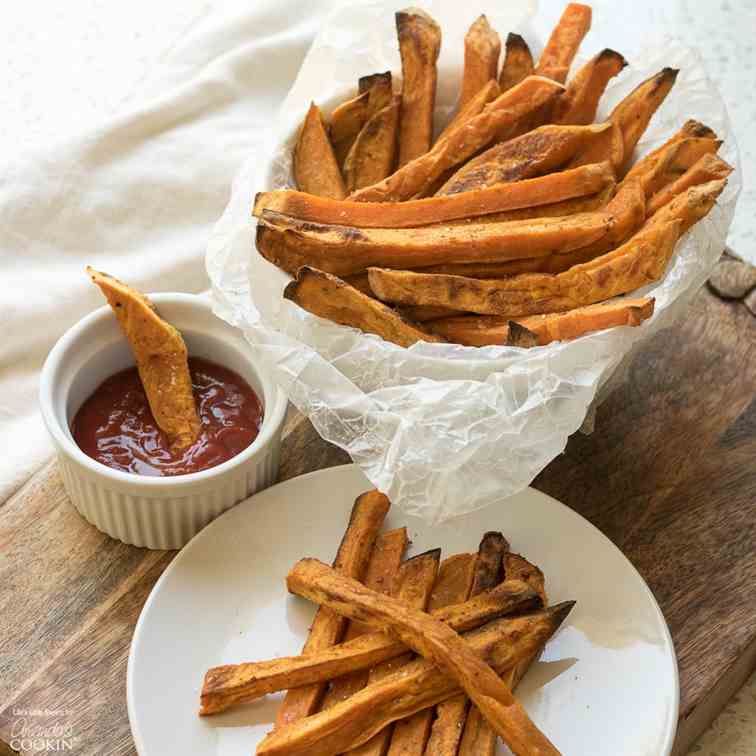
x=413 y=589
x=609 y=145
x=484 y=330
x=519 y=567
x=638 y=262
x=348 y=119
x=453 y=584
x=161 y=357
x=451 y=714
x=518 y=62
x=371 y=157
x=419 y=45
x=564 y=42
x=380 y=575
x=543 y=190
x=628 y=211
x=516 y=567
x=342 y=250
x=346 y=122
x=689 y=206
x=421 y=175
x=433 y=640
x=540 y=151
x=231 y=684
x=328 y=627
x=379 y=87
x=482 y=50
x=478 y=738
x=671 y=163
x=707 y=168
x=587 y=204
x=633 y=114
x=417 y=686
x=579 y=102
x=693 y=132
x=329 y=297
x=315 y=168
x=474 y=106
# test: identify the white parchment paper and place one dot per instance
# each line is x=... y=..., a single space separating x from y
x=446 y=429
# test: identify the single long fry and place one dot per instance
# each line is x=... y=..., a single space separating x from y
x=564 y=42
x=579 y=102
x=161 y=358
x=372 y=156
x=451 y=714
x=421 y=175
x=343 y=250
x=639 y=261
x=419 y=45
x=690 y=206
x=543 y=190
x=707 y=168
x=482 y=50
x=346 y=122
x=380 y=575
x=485 y=330
x=433 y=640
x=453 y=585
x=633 y=114
x=586 y=204
x=413 y=589
x=328 y=627
x=231 y=684
x=540 y=151
x=474 y=106
x=518 y=62
x=329 y=297
x=690 y=129
x=315 y=168
x=417 y=686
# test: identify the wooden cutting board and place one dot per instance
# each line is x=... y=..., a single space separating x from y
x=669 y=474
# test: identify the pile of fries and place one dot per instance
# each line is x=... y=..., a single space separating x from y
x=475 y=621
x=516 y=225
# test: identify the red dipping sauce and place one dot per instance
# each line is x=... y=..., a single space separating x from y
x=115 y=425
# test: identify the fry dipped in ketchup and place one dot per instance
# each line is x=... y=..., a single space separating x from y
x=161 y=358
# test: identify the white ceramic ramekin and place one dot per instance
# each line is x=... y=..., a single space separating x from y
x=159 y=513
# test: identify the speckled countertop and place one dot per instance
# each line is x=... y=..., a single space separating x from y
x=70 y=65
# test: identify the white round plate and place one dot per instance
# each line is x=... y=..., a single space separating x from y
x=606 y=684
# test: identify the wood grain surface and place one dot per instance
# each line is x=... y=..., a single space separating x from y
x=669 y=474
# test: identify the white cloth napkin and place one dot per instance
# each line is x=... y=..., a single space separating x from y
x=136 y=196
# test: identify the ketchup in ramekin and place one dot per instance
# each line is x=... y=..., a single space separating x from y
x=115 y=425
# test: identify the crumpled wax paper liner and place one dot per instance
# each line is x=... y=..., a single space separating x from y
x=444 y=429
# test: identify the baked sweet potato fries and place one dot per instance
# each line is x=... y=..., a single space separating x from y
x=524 y=222
x=475 y=621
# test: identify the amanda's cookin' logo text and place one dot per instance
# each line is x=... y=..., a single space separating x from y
x=33 y=731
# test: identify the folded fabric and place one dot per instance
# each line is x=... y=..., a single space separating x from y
x=136 y=196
